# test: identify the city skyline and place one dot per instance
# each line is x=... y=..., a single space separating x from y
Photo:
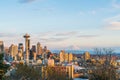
x=61 y=24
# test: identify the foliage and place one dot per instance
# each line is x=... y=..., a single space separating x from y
x=37 y=73
x=26 y=72
x=103 y=71
x=3 y=67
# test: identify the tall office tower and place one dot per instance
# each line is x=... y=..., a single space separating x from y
x=27 y=46
x=35 y=56
x=70 y=57
x=20 y=47
x=33 y=48
x=66 y=57
x=39 y=49
x=86 y=56
x=62 y=55
x=20 y=55
x=11 y=48
x=20 y=51
x=45 y=49
x=13 y=51
x=1 y=46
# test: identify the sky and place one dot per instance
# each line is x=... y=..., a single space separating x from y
x=61 y=24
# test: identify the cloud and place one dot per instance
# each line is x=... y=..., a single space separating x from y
x=112 y=6
x=7 y=35
x=26 y=1
x=47 y=37
x=53 y=39
x=50 y=39
x=90 y=12
x=87 y=36
x=112 y=23
x=11 y=38
x=114 y=18
x=66 y=33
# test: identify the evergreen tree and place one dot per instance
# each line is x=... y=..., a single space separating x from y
x=3 y=67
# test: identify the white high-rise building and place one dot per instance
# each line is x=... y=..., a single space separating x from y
x=39 y=49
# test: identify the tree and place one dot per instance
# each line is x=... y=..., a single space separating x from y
x=3 y=67
x=103 y=71
x=26 y=72
x=37 y=73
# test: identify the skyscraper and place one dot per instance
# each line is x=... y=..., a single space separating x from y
x=27 y=46
x=33 y=48
x=13 y=51
x=20 y=51
x=70 y=57
x=86 y=55
x=66 y=57
x=1 y=46
x=20 y=55
x=62 y=56
x=35 y=56
x=20 y=47
x=45 y=49
x=39 y=49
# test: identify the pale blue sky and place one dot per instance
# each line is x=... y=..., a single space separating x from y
x=75 y=23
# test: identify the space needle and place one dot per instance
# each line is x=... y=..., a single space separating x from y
x=26 y=36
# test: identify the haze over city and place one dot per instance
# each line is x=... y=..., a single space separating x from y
x=63 y=24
